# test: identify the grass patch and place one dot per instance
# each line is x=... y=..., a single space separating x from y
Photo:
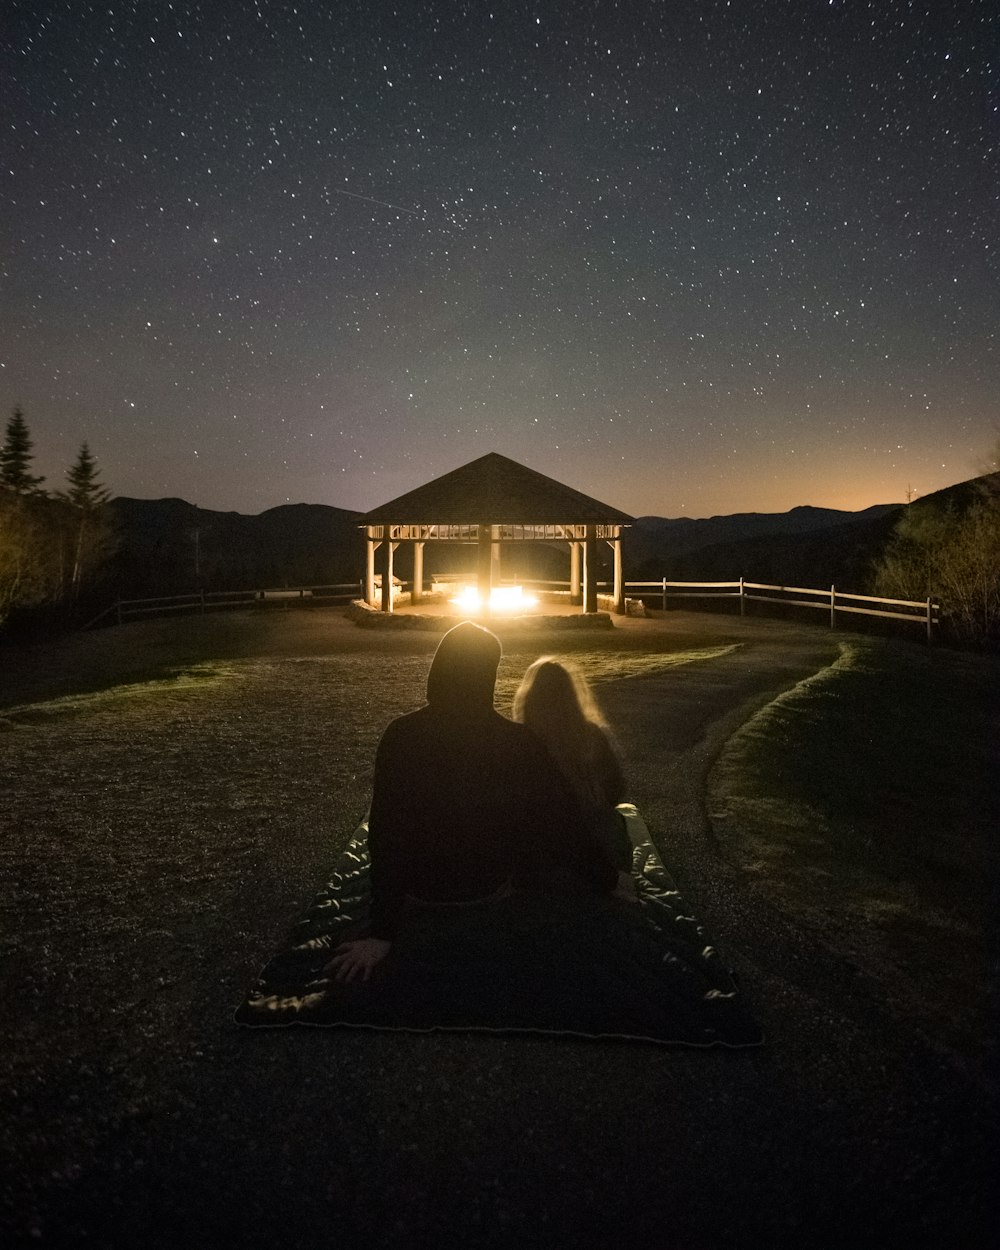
x=865 y=801
x=174 y=681
x=601 y=666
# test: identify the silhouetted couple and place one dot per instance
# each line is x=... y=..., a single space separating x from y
x=470 y=809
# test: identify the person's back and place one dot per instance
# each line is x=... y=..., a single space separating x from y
x=463 y=802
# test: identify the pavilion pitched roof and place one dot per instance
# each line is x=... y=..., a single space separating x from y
x=494 y=490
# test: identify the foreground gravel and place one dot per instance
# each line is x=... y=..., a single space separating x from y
x=174 y=794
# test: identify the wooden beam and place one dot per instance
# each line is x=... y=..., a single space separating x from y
x=495 y=555
x=484 y=565
x=387 y=550
x=590 y=570
x=418 y=572
x=619 y=589
x=370 y=545
x=575 y=591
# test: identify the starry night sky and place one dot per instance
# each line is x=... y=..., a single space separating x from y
x=691 y=258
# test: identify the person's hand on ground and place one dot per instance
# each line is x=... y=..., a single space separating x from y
x=625 y=889
x=352 y=960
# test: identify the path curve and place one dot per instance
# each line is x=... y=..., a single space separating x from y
x=673 y=727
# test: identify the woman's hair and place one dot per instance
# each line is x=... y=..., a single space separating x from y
x=555 y=702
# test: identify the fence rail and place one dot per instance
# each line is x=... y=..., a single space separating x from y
x=219 y=600
x=925 y=612
x=920 y=612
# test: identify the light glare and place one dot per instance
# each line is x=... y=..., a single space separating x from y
x=502 y=599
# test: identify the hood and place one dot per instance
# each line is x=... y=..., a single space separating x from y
x=464 y=669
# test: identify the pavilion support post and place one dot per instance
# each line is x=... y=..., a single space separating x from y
x=484 y=566
x=575 y=592
x=370 y=544
x=387 y=549
x=418 y=573
x=590 y=569
x=495 y=555
x=619 y=588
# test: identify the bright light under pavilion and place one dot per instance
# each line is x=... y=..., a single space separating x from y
x=502 y=599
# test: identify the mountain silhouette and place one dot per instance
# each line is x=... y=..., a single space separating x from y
x=169 y=546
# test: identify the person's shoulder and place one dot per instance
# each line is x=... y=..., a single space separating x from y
x=524 y=744
x=511 y=729
x=405 y=726
x=509 y=733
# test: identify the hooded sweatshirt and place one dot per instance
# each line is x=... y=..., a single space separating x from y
x=464 y=800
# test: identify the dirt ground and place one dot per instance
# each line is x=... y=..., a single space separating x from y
x=174 y=793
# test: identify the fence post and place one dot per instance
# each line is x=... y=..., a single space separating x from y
x=663 y=604
x=833 y=607
x=742 y=599
x=929 y=622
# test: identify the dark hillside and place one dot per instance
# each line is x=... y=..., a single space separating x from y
x=169 y=546
x=811 y=546
x=662 y=536
x=962 y=495
x=815 y=547
x=841 y=555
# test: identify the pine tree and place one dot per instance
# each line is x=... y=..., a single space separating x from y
x=15 y=457
x=85 y=492
x=87 y=497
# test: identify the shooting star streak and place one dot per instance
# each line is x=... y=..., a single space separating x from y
x=369 y=200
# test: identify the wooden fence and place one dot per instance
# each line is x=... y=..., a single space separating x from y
x=920 y=612
x=217 y=600
x=923 y=612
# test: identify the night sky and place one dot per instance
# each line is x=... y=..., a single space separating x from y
x=691 y=258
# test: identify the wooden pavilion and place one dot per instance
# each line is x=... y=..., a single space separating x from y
x=490 y=502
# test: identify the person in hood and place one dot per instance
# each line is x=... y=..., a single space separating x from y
x=464 y=804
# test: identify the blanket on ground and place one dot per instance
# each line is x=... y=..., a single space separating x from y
x=582 y=966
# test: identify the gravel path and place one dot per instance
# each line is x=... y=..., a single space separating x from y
x=160 y=836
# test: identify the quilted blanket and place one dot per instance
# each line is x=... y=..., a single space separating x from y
x=582 y=966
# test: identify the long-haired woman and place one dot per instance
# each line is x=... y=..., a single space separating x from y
x=556 y=704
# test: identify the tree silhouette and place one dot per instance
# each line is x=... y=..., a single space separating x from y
x=85 y=492
x=86 y=497
x=15 y=457
x=29 y=575
x=951 y=551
